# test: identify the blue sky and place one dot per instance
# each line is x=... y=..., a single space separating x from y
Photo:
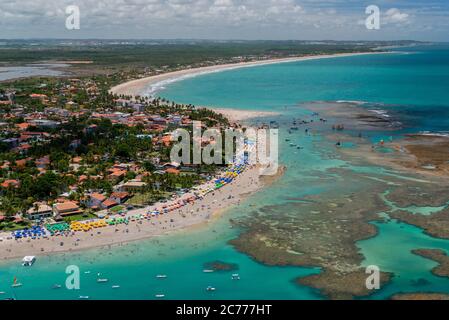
x=227 y=19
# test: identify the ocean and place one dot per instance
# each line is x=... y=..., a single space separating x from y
x=411 y=83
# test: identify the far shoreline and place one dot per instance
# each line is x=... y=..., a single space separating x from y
x=138 y=86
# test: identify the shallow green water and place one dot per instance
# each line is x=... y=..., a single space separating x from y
x=414 y=85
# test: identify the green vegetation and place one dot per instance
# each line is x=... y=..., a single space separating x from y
x=80 y=217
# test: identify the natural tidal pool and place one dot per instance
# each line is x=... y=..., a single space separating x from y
x=307 y=208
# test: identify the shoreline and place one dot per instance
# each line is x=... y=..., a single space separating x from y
x=192 y=216
x=236 y=116
x=137 y=87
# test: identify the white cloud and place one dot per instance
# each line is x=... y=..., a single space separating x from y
x=394 y=16
x=262 y=19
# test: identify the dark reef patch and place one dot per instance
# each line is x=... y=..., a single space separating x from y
x=220 y=266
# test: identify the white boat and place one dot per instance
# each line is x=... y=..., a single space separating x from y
x=83 y=297
x=86 y=272
x=235 y=276
x=161 y=276
x=209 y=288
x=28 y=261
x=208 y=271
x=102 y=280
x=160 y=296
x=115 y=287
x=2 y=292
x=56 y=286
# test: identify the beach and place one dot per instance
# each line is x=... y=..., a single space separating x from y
x=239 y=116
x=197 y=214
x=140 y=86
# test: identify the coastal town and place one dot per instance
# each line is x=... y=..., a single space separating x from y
x=72 y=151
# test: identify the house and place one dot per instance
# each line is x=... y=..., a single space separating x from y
x=43 y=162
x=11 y=142
x=40 y=211
x=138 y=107
x=38 y=96
x=172 y=171
x=95 y=200
x=23 y=148
x=10 y=183
x=166 y=140
x=65 y=209
x=132 y=186
x=23 y=126
x=43 y=123
x=117 y=175
x=119 y=197
x=108 y=204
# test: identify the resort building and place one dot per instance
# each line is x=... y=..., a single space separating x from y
x=119 y=197
x=132 y=186
x=66 y=209
x=108 y=204
x=96 y=200
x=40 y=211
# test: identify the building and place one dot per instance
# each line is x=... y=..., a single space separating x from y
x=132 y=186
x=108 y=204
x=95 y=200
x=11 y=183
x=40 y=211
x=65 y=209
x=119 y=197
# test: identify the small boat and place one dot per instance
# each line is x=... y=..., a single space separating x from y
x=161 y=276
x=160 y=296
x=102 y=280
x=208 y=271
x=2 y=292
x=28 y=261
x=209 y=288
x=294 y=128
x=116 y=287
x=56 y=286
x=235 y=276
x=86 y=272
x=83 y=297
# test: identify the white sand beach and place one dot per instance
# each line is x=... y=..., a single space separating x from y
x=142 y=86
x=197 y=214
x=237 y=116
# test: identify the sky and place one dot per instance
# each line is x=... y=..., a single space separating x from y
x=426 y=20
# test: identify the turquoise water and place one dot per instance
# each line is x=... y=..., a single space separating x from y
x=412 y=83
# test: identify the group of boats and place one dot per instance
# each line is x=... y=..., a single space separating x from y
x=30 y=260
